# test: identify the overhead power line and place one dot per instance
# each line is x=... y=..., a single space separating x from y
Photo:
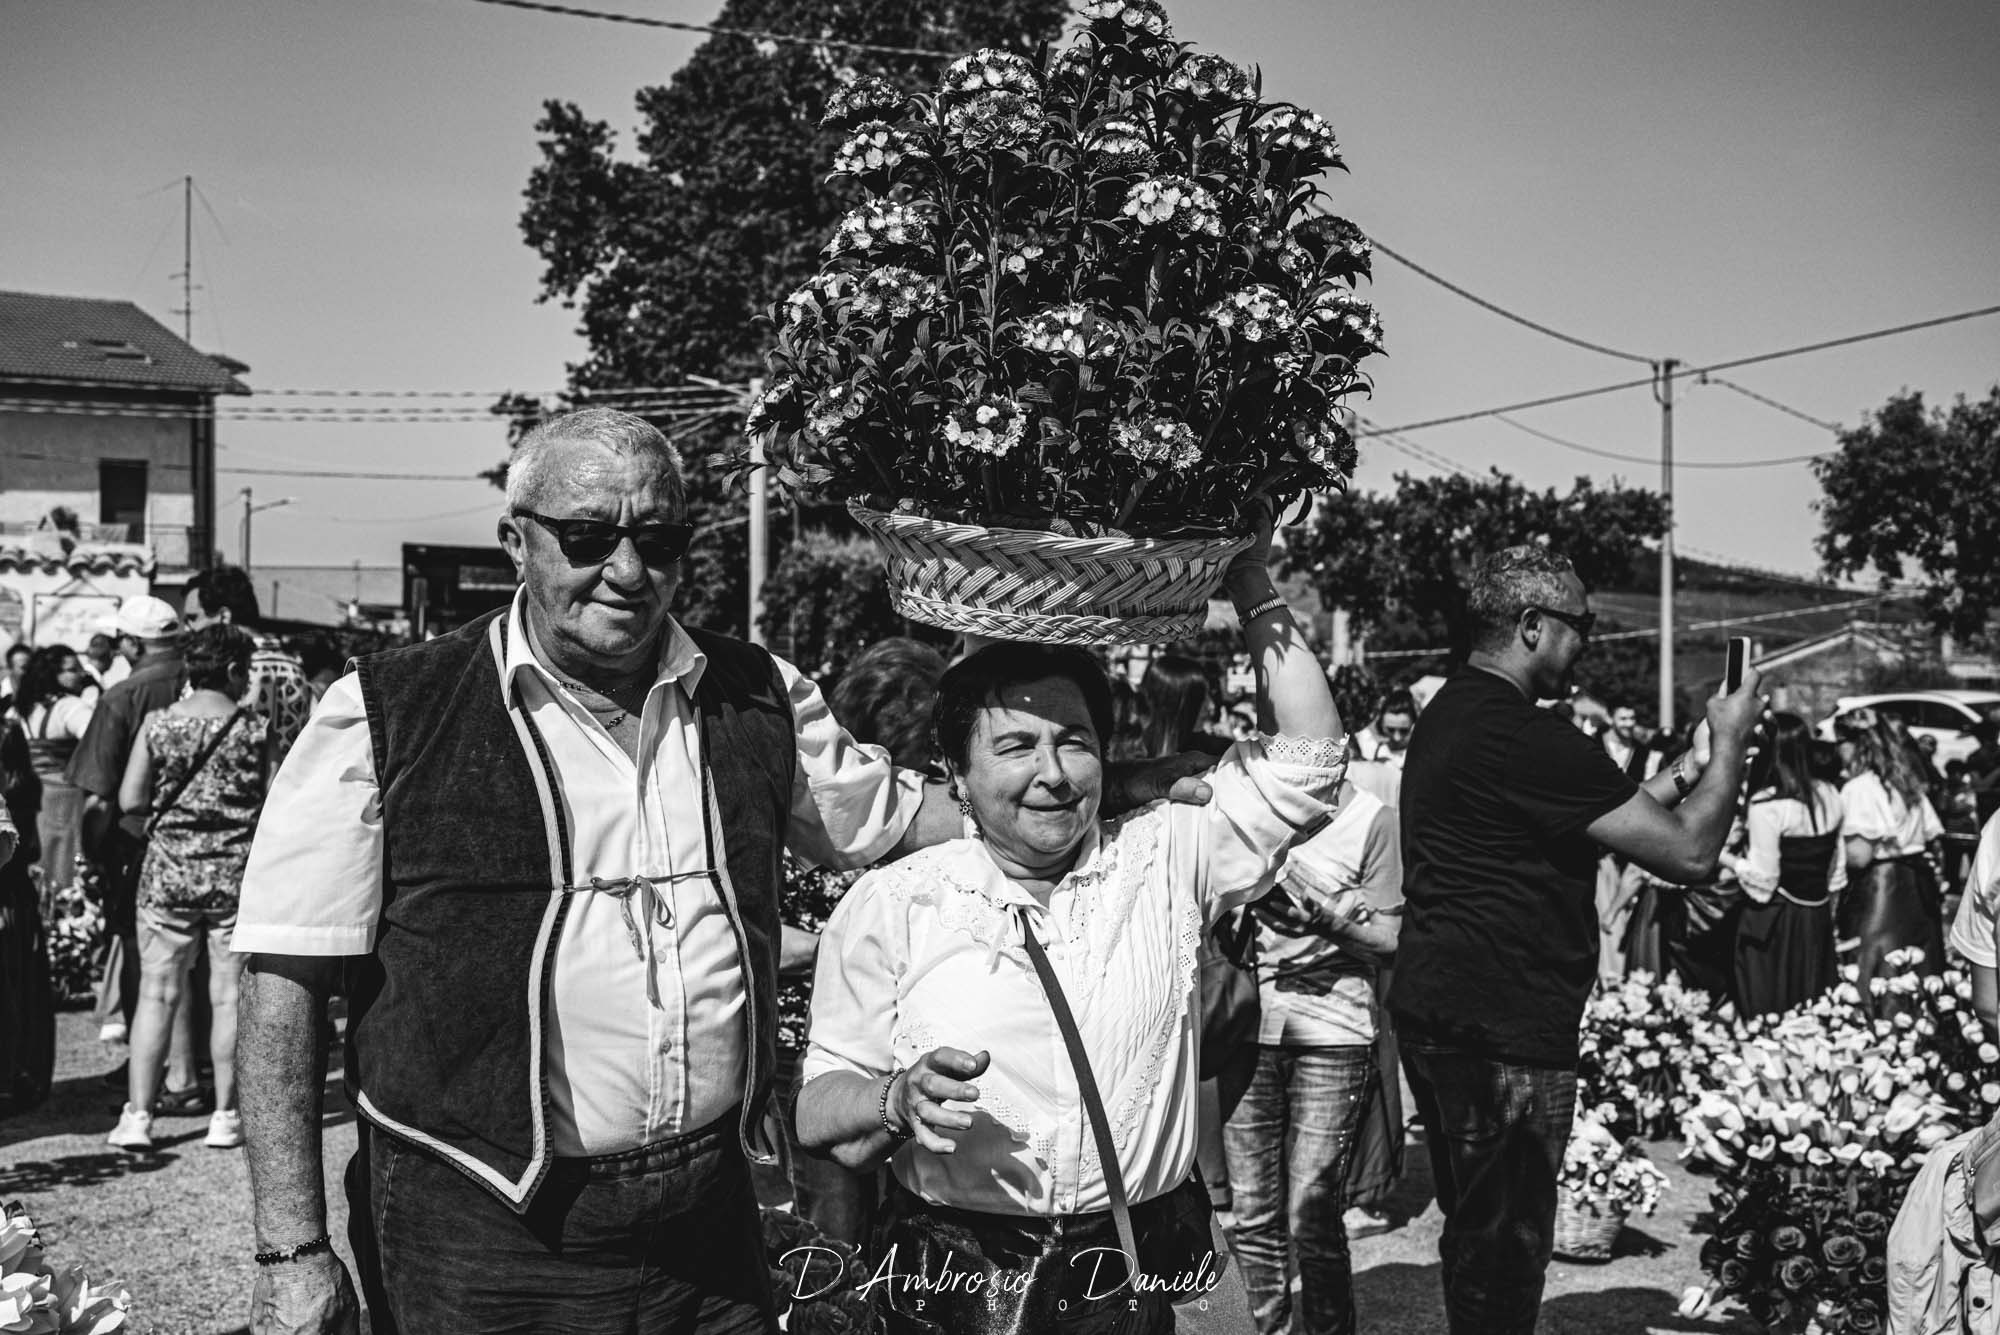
x=1684 y=372
x=714 y=30
x=1503 y=312
x=1769 y=402
x=1652 y=460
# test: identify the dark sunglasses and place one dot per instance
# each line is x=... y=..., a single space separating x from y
x=591 y=541
x=1580 y=622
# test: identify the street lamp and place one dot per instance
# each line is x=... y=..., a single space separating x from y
x=248 y=510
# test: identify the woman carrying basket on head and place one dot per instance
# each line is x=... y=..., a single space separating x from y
x=947 y=983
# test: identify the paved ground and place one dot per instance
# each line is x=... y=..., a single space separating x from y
x=175 y=1226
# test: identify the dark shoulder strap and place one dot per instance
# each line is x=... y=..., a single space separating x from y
x=194 y=770
x=1086 y=1083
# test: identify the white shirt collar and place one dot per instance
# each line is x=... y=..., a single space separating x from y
x=680 y=660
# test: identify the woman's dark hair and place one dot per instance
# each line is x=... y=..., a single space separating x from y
x=212 y=653
x=1176 y=691
x=1129 y=716
x=887 y=696
x=1784 y=768
x=39 y=684
x=980 y=679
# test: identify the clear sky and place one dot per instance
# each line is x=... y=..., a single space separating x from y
x=1703 y=181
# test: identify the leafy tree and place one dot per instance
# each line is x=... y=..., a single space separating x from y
x=1916 y=488
x=826 y=600
x=1400 y=563
x=672 y=255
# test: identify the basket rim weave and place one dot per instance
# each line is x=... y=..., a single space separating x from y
x=1587 y=1225
x=1026 y=584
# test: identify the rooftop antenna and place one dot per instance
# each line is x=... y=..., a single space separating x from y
x=186 y=309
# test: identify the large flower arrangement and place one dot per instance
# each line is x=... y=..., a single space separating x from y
x=1088 y=293
x=1816 y=1123
x=39 y=1298
x=1643 y=1047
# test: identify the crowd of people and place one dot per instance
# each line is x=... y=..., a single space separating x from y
x=986 y=963
x=135 y=772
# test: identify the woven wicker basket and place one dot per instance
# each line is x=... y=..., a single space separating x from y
x=1586 y=1226
x=1017 y=584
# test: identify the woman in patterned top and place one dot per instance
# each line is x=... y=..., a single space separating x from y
x=933 y=1042
x=199 y=768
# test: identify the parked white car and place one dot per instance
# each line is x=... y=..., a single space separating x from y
x=1947 y=715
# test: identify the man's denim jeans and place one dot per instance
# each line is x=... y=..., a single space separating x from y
x=1496 y=1133
x=1289 y=1141
x=664 y=1239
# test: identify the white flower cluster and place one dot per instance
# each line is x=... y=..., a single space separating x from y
x=1296 y=130
x=833 y=408
x=988 y=71
x=46 y=1299
x=897 y=292
x=1176 y=203
x=1599 y=1166
x=1329 y=447
x=811 y=297
x=1147 y=16
x=991 y=425
x=1256 y=314
x=875 y=146
x=1159 y=440
x=996 y=122
x=880 y=224
x=1074 y=330
x=772 y=407
x=1204 y=75
x=1340 y=312
x=868 y=98
x=1120 y=144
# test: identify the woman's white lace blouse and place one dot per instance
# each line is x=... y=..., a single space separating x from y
x=927 y=952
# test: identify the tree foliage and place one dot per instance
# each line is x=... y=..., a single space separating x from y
x=1400 y=562
x=1916 y=488
x=826 y=601
x=672 y=254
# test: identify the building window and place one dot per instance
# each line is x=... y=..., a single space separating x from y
x=121 y=495
x=119 y=350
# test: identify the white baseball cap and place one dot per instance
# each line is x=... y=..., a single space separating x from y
x=148 y=618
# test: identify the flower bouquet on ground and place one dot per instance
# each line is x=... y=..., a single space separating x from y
x=1084 y=319
x=75 y=931
x=1816 y=1125
x=1644 y=1046
x=1803 y=1256
x=817 y=1279
x=46 y=1299
x=1603 y=1180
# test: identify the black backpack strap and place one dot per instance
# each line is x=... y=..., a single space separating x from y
x=194 y=771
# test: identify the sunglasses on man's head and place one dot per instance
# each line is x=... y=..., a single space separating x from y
x=590 y=541
x=1580 y=622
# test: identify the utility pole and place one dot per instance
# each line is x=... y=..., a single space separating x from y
x=760 y=521
x=1663 y=390
x=186 y=275
x=248 y=510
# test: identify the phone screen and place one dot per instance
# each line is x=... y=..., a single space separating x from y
x=1735 y=664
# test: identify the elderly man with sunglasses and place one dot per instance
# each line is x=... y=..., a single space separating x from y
x=1504 y=809
x=545 y=847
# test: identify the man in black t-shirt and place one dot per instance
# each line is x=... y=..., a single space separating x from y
x=1504 y=809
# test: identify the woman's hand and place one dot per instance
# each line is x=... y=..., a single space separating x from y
x=917 y=1096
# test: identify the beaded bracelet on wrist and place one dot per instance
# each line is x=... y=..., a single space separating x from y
x=1271 y=604
x=281 y=1255
x=882 y=1111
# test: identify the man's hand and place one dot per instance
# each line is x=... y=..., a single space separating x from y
x=1733 y=718
x=310 y=1296
x=1132 y=784
x=916 y=1100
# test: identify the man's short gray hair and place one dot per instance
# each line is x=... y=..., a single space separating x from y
x=622 y=433
x=1510 y=580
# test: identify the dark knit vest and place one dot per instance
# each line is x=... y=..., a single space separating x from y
x=448 y=1016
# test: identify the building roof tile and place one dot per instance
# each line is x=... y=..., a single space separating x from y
x=57 y=340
